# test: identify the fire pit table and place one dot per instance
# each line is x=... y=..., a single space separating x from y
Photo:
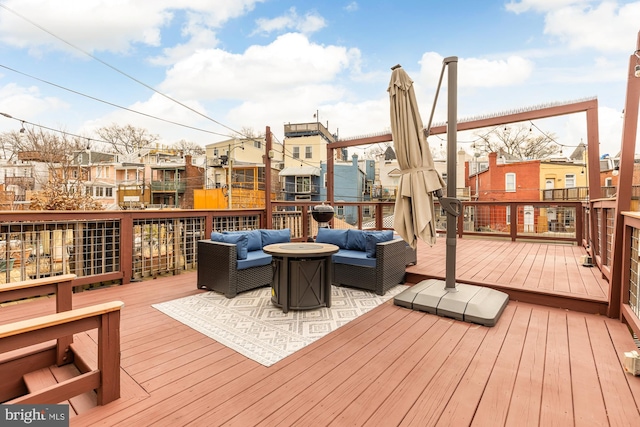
x=302 y=275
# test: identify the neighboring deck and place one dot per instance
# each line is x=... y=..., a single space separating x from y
x=538 y=366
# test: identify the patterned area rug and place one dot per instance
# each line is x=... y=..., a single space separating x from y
x=252 y=326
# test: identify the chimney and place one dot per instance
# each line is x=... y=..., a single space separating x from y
x=493 y=160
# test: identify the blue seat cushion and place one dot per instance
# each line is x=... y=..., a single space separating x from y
x=240 y=240
x=333 y=237
x=254 y=236
x=375 y=237
x=356 y=240
x=270 y=237
x=254 y=259
x=346 y=256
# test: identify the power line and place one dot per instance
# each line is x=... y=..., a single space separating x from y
x=112 y=104
x=116 y=69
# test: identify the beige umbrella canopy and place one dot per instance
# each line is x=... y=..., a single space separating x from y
x=414 y=212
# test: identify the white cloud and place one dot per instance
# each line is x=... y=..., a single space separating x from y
x=607 y=26
x=476 y=72
x=289 y=61
x=541 y=5
x=105 y=25
x=352 y=7
x=307 y=24
x=26 y=103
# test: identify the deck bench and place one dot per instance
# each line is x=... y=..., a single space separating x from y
x=105 y=379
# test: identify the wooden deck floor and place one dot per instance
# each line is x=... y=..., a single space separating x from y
x=549 y=274
x=538 y=366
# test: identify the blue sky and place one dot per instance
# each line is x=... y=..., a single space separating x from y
x=253 y=63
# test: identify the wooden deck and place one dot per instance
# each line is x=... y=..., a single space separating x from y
x=538 y=366
x=549 y=274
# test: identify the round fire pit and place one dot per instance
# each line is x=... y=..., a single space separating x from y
x=322 y=214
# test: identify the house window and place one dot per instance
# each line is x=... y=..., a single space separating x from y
x=99 y=191
x=108 y=192
x=74 y=173
x=296 y=152
x=569 y=180
x=608 y=182
x=340 y=210
x=508 y=215
x=510 y=182
x=215 y=152
x=303 y=184
x=257 y=144
x=308 y=152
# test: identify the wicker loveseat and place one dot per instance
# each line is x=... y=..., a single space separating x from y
x=233 y=262
x=371 y=260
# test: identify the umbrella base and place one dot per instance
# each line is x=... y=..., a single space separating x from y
x=474 y=304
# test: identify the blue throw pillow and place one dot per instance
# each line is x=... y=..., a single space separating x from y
x=373 y=238
x=270 y=237
x=240 y=240
x=332 y=236
x=356 y=240
x=255 y=238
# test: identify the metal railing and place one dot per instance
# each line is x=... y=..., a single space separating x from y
x=179 y=186
x=630 y=283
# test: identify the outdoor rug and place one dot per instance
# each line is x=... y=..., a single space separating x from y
x=254 y=327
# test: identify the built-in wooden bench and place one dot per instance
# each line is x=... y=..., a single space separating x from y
x=105 y=379
x=61 y=286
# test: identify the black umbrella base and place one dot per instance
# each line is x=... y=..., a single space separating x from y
x=474 y=304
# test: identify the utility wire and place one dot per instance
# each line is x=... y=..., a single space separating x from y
x=112 y=104
x=3 y=6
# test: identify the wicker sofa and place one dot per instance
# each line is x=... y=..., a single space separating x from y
x=371 y=260
x=233 y=262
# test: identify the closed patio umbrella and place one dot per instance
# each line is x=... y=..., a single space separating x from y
x=414 y=212
x=414 y=205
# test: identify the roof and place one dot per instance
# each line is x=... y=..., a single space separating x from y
x=301 y=171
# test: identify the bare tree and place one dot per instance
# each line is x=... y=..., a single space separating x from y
x=62 y=188
x=189 y=148
x=126 y=139
x=518 y=141
x=247 y=132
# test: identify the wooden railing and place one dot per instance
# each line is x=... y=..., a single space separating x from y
x=109 y=247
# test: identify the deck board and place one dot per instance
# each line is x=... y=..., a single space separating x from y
x=535 y=268
x=392 y=366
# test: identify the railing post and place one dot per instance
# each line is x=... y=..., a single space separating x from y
x=64 y=291
x=126 y=247
x=578 y=217
x=109 y=357
x=513 y=218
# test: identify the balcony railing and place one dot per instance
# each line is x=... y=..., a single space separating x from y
x=292 y=188
x=168 y=186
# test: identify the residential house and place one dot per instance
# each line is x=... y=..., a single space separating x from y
x=235 y=175
x=305 y=150
x=173 y=183
x=352 y=183
x=522 y=180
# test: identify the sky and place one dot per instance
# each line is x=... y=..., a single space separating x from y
x=206 y=70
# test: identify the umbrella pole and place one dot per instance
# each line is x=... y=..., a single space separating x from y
x=452 y=148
